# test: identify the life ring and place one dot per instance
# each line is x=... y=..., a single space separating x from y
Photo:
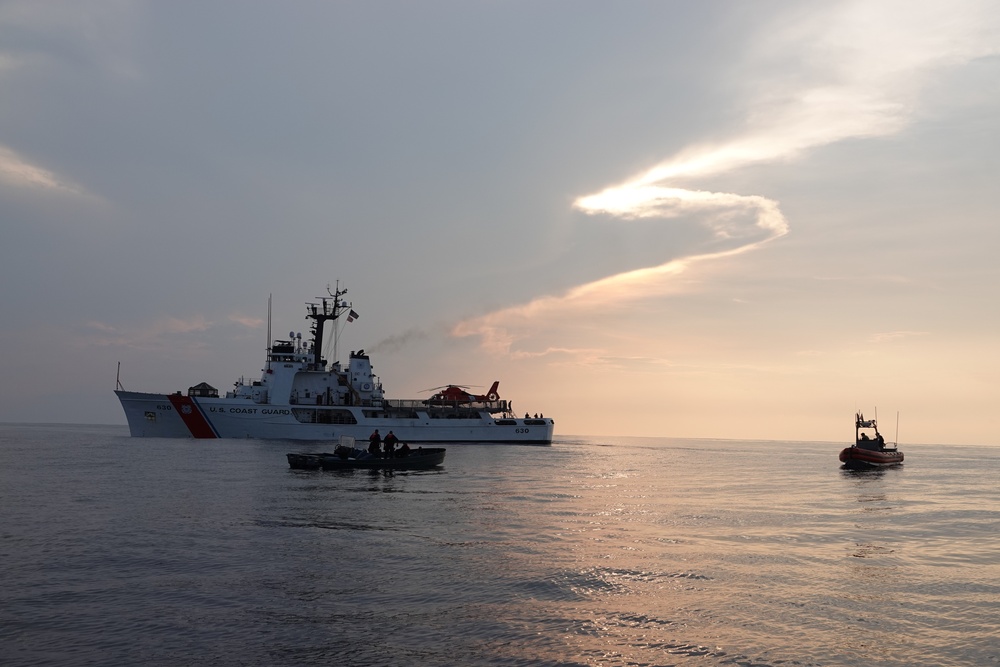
x=366 y=386
x=492 y=396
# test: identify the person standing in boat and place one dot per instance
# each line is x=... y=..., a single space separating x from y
x=390 y=444
x=374 y=443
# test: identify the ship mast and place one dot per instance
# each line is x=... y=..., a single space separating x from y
x=321 y=313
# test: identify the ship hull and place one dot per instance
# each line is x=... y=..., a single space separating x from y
x=153 y=415
x=859 y=458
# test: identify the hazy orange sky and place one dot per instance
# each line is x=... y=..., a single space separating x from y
x=727 y=219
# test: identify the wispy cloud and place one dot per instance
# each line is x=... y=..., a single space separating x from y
x=43 y=41
x=156 y=335
x=18 y=172
x=890 y=336
x=97 y=34
x=817 y=76
x=247 y=321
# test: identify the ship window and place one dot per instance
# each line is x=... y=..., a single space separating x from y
x=323 y=416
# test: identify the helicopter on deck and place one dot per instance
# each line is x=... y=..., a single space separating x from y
x=453 y=394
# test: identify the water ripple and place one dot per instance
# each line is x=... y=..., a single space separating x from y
x=637 y=552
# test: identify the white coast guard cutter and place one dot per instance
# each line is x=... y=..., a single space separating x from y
x=301 y=397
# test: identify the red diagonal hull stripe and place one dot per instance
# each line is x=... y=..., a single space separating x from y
x=193 y=419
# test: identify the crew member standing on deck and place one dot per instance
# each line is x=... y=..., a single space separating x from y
x=390 y=444
x=374 y=442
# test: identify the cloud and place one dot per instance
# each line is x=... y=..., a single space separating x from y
x=70 y=33
x=745 y=220
x=247 y=321
x=18 y=172
x=890 y=336
x=157 y=335
x=814 y=77
x=57 y=42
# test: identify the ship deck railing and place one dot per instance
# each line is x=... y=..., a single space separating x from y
x=429 y=405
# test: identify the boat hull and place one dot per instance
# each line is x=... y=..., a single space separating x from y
x=151 y=415
x=419 y=459
x=859 y=458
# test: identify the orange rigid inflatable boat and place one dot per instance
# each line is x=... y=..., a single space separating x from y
x=869 y=449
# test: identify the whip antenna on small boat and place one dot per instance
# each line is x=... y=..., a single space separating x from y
x=897 y=428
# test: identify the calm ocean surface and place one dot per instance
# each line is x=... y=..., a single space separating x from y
x=595 y=551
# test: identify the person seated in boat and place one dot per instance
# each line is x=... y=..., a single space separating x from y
x=404 y=451
x=390 y=444
x=375 y=443
x=864 y=436
x=880 y=440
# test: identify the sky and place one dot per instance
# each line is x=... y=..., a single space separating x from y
x=686 y=219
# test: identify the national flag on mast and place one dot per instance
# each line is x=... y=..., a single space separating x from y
x=351 y=316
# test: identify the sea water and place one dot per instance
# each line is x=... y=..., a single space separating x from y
x=594 y=551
